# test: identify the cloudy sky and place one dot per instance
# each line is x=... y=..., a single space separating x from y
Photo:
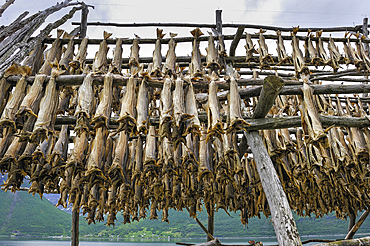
x=285 y=13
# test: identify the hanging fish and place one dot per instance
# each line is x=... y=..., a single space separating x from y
x=169 y=68
x=134 y=54
x=103 y=111
x=127 y=119
x=297 y=56
x=157 y=56
x=100 y=61
x=250 y=50
x=213 y=111
x=7 y=119
x=78 y=63
x=142 y=108
x=179 y=114
x=236 y=118
x=282 y=55
x=68 y=54
x=52 y=54
x=48 y=106
x=359 y=63
x=195 y=66
x=314 y=59
x=334 y=52
x=191 y=109
x=165 y=110
x=361 y=51
x=211 y=58
x=117 y=57
x=265 y=57
x=35 y=59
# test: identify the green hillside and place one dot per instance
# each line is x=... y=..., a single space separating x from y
x=30 y=215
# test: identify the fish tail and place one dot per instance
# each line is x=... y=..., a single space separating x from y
x=160 y=33
x=106 y=35
x=66 y=35
x=59 y=33
x=295 y=30
x=172 y=35
x=318 y=33
x=196 y=33
x=278 y=32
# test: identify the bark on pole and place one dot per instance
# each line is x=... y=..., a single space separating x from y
x=281 y=214
x=356 y=226
x=5 y=6
x=75 y=231
x=352 y=242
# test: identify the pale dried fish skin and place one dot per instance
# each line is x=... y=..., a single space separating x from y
x=100 y=61
x=103 y=112
x=142 y=108
x=195 y=66
x=169 y=68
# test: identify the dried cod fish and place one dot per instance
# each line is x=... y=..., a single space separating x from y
x=213 y=111
x=169 y=68
x=211 y=58
x=103 y=111
x=265 y=57
x=127 y=119
x=249 y=47
x=315 y=58
x=52 y=54
x=85 y=104
x=142 y=108
x=236 y=118
x=157 y=55
x=310 y=118
x=359 y=63
x=68 y=54
x=35 y=59
x=7 y=119
x=78 y=62
x=48 y=106
x=100 y=61
x=195 y=66
x=282 y=55
x=191 y=109
x=165 y=110
x=297 y=56
x=134 y=54
x=117 y=57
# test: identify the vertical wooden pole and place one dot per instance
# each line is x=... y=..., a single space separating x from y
x=365 y=32
x=352 y=221
x=75 y=232
x=211 y=221
x=219 y=21
x=84 y=13
x=281 y=214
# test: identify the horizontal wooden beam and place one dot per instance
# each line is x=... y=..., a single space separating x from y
x=202 y=38
x=200 y=25
x=256 y=124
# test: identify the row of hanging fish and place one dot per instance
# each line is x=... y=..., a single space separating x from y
x=139 y=168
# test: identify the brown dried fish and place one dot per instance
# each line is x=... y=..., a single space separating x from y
x=169 y=68
x=334 y=52
x=265 y=57
x=320 y=48
x=117 y=57
x=297 y=56
x=236 y=118
x=157 y=56
x=249 y=47
x=127 y=119
x=191 y=109
x=213 y=111
x=315 y=58
x=103 y=112
x=134 y=54
x=142 y=108
x=211 y=58
x=48 y=107
x=310 y=118
x=282 y=55
x=7 y=119
x=35 y=59
x=52 y=54
x=195 y=66
x=78 y=62
x=100 y=61
x=68 y=54
x=359 y=63
x=85 y=104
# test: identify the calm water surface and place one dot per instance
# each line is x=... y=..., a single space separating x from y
x=144 y=242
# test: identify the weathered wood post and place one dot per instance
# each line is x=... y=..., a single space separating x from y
x=5 y=6
x=281 y=214
x=365 y=32
x=357 y=225
x=84 y=14
x=75 y=230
